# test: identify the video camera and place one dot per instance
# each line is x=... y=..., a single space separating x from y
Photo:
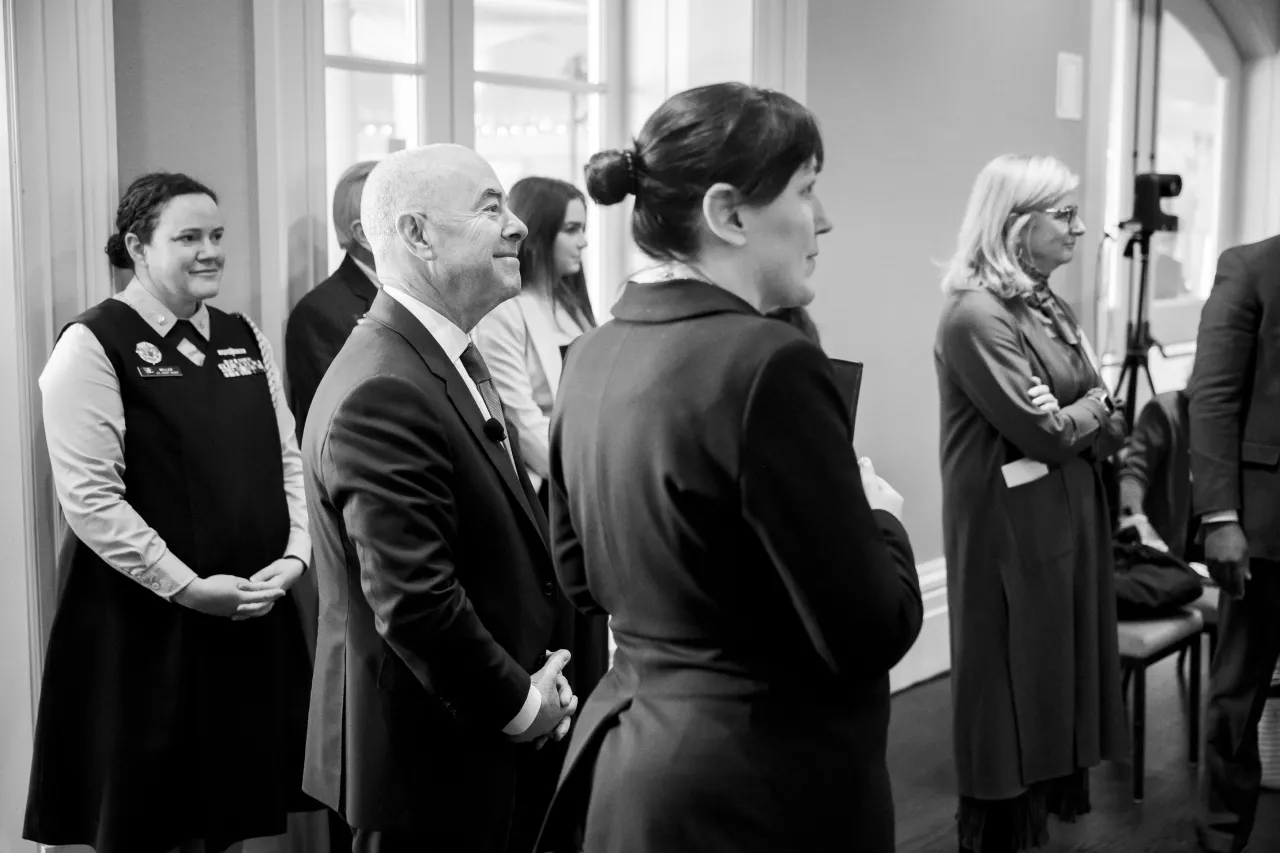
x=1148 y=189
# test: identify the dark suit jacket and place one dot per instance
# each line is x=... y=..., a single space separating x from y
x=705 y=493
x=1235 y=396
x=318 y=327
x=436 y=592
x=1155 y=472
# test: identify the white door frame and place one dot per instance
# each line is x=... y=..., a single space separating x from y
x=58 y=192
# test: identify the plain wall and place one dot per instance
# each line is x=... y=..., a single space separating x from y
x=914 y=97
x=184 y=103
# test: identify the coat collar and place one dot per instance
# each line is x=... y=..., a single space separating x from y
x=356 y=280
x=677 y=299
x=390 y=313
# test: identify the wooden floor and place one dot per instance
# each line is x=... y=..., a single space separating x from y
x=924 y=783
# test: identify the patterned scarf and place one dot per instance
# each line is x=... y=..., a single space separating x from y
x=1047 y=303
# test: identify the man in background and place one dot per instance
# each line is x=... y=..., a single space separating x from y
x=323 y=319
x=1235 y=469
x=1155 y=476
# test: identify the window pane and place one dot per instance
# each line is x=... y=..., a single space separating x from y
x=525 y=132
x=376 y=29
x=367 y=116
x=537 y=38
x=1193 y=100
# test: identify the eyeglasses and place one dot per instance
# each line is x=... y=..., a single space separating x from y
x=1068 y=214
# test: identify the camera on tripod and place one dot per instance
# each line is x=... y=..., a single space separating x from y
x=1149 y=189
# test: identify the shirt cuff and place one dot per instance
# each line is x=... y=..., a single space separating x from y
x=168 y=577
x=300 y=547
x=1227 y=515
x=520 y=724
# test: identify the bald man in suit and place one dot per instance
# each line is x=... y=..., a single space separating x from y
x=436 y=583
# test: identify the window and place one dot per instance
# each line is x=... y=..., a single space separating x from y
x=1199 y=75
x=535 y=86
x=373 y=86
x=1192 y=127
x=400 y=73
x=539 y=90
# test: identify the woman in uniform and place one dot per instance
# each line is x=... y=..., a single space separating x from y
x=173 y=707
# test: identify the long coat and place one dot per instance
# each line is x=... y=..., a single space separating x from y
x=1034 y=667
x=705 y=493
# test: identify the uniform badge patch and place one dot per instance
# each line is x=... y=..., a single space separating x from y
x=234 y=367
x=148 y=352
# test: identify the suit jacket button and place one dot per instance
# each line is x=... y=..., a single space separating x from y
x=548 y=589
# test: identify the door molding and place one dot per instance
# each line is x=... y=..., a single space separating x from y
x=781 y=46
x=288 y=89
x=59 y=190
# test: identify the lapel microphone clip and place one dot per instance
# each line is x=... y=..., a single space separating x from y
x=494 y=431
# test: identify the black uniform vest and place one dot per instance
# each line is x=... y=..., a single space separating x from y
x=202 y=449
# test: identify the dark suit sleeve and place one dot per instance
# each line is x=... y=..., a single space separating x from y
x=311 y=342
x=982 y=348
x=389 y=470
x=1148 y=445
x=566 y=547
x=849 y=571
x=1225 y=348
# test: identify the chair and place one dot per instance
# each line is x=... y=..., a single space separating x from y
x=1143 y=643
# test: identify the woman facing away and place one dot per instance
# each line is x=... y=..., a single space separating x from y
x=1026 y=420
x=705 y=495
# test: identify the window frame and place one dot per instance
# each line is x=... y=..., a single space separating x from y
x=294 y=209
x=1173 y=322
x=447 y=77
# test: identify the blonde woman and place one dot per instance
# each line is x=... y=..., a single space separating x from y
x=1025 y=420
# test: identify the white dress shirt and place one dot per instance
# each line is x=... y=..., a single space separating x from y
x=453 y=341
x=520 y=341
x=85 y=430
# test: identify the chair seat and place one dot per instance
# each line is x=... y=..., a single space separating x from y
x=1142 y=639
x=1207 y=604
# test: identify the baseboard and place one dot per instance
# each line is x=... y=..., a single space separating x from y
x=931 y=654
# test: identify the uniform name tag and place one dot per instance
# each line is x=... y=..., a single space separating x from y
x=148 y=372
x=233 y=367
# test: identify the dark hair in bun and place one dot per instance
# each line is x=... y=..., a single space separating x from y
x=611 y=176
x=753 y=139
x=140 y=207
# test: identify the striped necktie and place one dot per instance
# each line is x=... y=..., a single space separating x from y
x=474 y=364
